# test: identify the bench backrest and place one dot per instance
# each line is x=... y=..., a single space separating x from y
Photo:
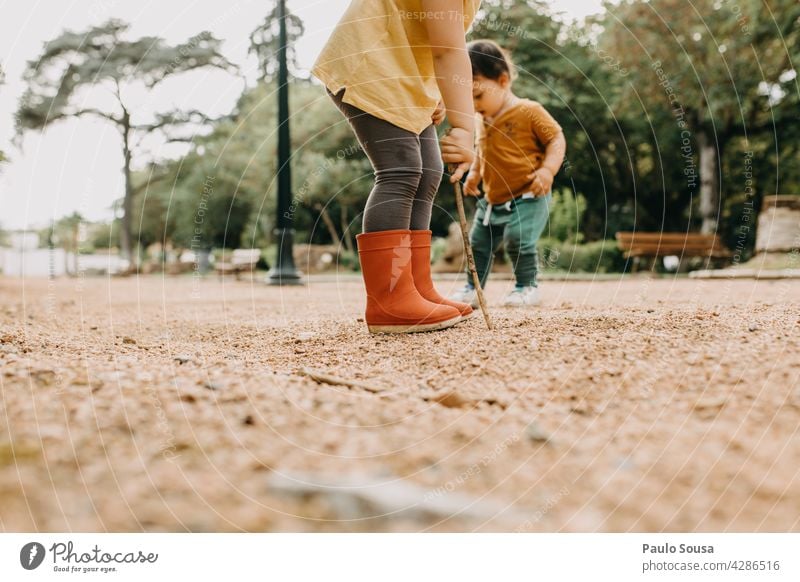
x=666 y=243
x=631 y=239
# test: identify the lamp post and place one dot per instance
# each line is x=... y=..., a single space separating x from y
x=284 y=272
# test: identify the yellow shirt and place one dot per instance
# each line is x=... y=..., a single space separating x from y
x=380 y=53
x=512 y=147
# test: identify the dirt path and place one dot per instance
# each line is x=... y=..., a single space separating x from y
x=175 y=404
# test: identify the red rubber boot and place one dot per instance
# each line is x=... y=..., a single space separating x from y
x=421 y=260
x=394 y=305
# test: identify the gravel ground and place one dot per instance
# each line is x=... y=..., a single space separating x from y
x=181 y=404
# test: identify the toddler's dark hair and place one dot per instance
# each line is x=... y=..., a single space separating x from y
x=490 y=60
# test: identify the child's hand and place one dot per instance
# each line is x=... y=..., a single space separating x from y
x=471 y=185
x=438 y=116
x=541 y=181
x=458 y=149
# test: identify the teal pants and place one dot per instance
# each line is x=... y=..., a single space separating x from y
x=519 y=228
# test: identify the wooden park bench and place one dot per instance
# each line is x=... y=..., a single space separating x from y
x=644 y=245
x=241 y=260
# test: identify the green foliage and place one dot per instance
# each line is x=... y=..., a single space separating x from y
x=104 y=236
x=438 y=248
x=566 y=216
x=601 y=256
x=348 y=261
x=711 y=58
x=230 y=175
x=68 y=233
x=706 y=73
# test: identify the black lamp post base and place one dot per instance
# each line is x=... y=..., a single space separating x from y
x=284 y=271
x=275 y=277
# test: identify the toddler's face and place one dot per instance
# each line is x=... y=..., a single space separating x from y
x=489 y=94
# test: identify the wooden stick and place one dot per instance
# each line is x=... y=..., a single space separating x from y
x=324 y=378
x=462 y=218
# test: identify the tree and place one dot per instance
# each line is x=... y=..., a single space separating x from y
x=151 y=220
x=65 y=232
x=265 y=40
x=103 y=57
x=723 y=70
x=332 y=183
x=234 y=168
x=208 y=210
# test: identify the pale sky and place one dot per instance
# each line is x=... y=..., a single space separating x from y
x=76 y=165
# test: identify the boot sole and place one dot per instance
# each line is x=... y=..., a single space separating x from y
x=414 y=328
x=468 y=317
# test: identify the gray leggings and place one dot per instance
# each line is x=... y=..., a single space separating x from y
x=408 y=169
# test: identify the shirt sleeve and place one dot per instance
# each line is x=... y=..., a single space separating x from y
x=543 y=125
x=480 y=138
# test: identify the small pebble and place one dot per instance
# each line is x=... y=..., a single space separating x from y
x=450 y=400
x=710 y=403
x=535 y=433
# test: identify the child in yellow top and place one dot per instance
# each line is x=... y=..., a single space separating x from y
x=520 y=150
x=395 y=68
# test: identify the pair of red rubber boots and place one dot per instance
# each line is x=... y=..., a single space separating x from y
x=401 y=298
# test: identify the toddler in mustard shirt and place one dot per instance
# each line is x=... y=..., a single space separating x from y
x=520 y=150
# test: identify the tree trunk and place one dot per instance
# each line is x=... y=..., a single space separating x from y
x=126 y=232
x=348 y=239
x=66 y=261
x=326 y=218
x=709 y=182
